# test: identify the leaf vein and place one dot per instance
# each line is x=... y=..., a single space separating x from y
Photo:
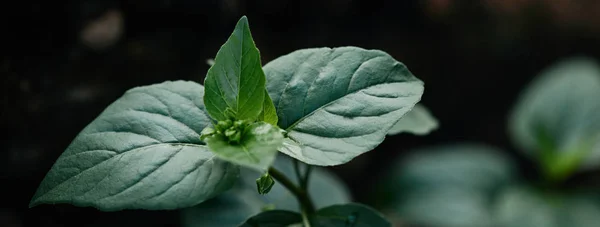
x=144 y=176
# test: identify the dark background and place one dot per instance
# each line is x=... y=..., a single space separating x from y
x=60 y=68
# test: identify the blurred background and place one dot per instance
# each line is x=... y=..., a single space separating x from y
x=63 y=62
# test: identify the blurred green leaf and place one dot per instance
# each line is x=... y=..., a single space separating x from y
x=468 y=165
x=229 y=209
x=418 y=121
x=273 y=218
x=355 y=215
x=556 y=119
x=447 y=206
x=521 y=206
x=242 y=202
x=448 y=186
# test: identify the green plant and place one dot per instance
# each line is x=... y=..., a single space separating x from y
x=177 y=144
x=556 y=122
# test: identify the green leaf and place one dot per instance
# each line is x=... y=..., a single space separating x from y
x=355 y=215
x=256 y=149
x=264 y=184
x=447 y=186
x=339 y=103
x=523 y=206
x=556 y=117
x=142 y=152
x=273 y=218
x=242 y=202
x=418 y=121
x=236 y=81
x=268 y=113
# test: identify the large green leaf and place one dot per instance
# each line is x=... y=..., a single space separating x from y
x=142 y=152
x=237 y=205
x=273 y=218
x=355 y=215
x=339 y=103
x=236 y=81
x=418 y=121
x=257 y=148
x=447 y=186
x=522 y=206
x=556 y=119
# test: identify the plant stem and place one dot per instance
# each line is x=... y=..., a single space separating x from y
x=305 y=220
x=298 y=175
x=306 y=175
x=303 y=180
x=306 y=204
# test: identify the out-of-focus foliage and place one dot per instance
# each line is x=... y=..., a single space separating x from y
x=473 y=185
x=448 y=185
x=557 y=119
x=556 y=122
x=526 y=206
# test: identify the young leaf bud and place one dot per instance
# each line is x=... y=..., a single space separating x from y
x=264 y=184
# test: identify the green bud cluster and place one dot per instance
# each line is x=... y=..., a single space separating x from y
x=230 y=130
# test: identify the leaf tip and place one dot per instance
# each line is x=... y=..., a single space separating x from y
x=243 y=20
x=33 y=203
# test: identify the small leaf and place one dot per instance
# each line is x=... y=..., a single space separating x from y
x=256 y=149
x=236 y=81
x=339 y=103
x=557 y=117
x=264 y=183
x=242 y=202
x=273 y=218
x=418 y=121
x=355 y=215
x=142 y=152
x=268 y=113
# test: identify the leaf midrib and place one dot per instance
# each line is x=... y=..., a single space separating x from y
x=291 y=127
x=237 y=97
